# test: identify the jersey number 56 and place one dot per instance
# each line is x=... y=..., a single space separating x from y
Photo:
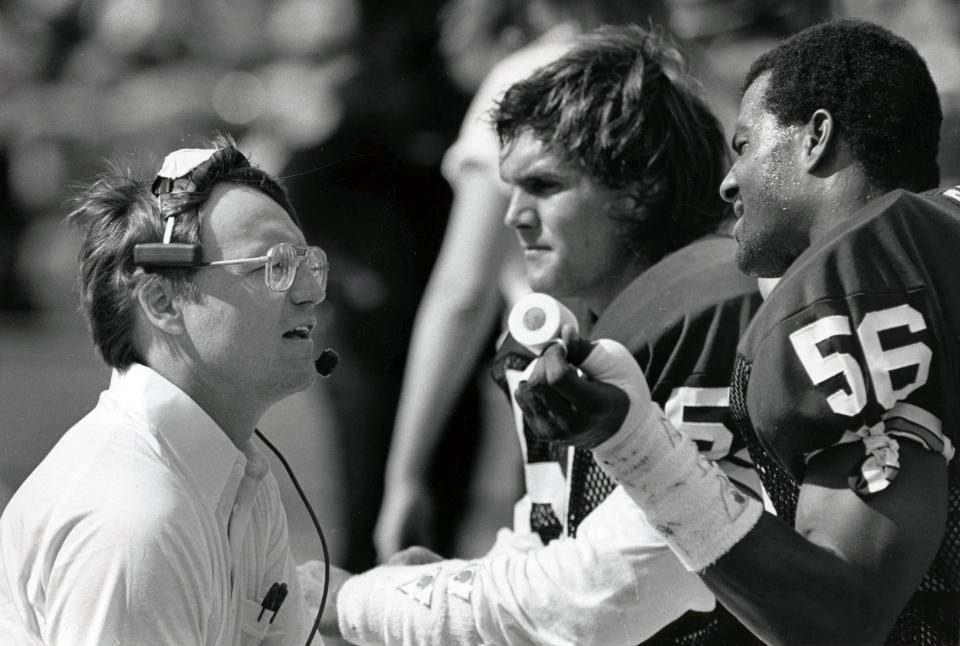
x=879 y=362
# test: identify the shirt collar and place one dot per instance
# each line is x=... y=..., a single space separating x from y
x=186 y=429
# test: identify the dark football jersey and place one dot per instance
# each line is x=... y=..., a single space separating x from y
x=858 y=341
x=682 y=320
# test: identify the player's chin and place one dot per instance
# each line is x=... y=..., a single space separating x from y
x=746 y=263
x=759 y=263
x=540 y=277
x=548 y=284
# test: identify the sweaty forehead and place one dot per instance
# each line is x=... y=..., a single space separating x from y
x=752 y=108
x=241 y=220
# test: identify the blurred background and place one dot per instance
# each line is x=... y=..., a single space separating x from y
x=353 y=102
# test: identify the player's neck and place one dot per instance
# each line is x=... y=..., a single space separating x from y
x=842 y=197
x=602 y=295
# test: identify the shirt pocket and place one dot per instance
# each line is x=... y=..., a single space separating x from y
x=253 y=630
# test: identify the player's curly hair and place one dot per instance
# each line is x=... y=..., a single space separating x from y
x=116 y=212
x=878 y=89
x=622 y=107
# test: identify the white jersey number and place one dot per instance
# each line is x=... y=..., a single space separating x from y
x=879 y=362
x=713 y=438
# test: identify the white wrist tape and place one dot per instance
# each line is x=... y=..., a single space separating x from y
x=685 y=496
x=410 y=604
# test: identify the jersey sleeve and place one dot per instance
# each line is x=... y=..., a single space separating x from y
x=846 y=369
x=853 y=347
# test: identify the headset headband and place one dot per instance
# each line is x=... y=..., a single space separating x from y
x=177 y=172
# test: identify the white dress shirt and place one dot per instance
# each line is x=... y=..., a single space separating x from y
x=146 y=525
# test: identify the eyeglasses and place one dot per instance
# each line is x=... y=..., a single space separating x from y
x=282 y=262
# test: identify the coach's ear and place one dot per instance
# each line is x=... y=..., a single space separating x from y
x=820 y=140
x=160 y=303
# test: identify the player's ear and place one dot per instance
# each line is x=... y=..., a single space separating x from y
x=626 y=202
x=819 y=139
x=160 y=303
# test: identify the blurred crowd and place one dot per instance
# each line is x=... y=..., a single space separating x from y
x=353 y=102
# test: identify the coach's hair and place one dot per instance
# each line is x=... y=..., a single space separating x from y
x=878 y=89
x=622 y=107
x=118 y=211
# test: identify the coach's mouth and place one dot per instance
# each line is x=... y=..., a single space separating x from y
x=299 y=332
x=535 y=248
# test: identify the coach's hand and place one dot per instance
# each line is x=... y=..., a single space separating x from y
x=562 y=404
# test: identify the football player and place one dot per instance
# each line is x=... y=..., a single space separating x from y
x=845 y=382
x=613 y=159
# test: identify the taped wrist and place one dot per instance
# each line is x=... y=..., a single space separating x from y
x=418 y=604
x=686 y=497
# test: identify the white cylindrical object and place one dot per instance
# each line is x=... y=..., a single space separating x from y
x=536 y=319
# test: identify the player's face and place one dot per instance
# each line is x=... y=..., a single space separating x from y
x=764 y=186
x=572 y=245
x=247 y=340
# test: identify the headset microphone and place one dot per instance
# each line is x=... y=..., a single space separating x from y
x=327 y=362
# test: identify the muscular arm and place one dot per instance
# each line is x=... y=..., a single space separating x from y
x=844 y=574
x=459 y=306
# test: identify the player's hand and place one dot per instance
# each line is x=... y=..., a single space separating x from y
x=415 y=555
x=406 y=518
x=562 y=404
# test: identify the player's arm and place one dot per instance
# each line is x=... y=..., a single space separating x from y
x=851 y=564
x=454 y=319
x=617 y=582
x=841 y=577
x=862 y=543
